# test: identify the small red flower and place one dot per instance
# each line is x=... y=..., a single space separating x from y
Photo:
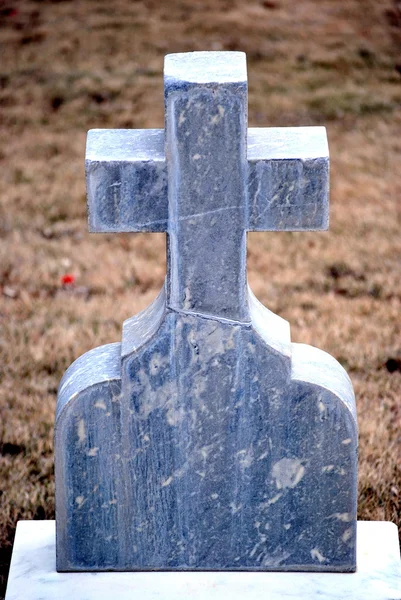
x=68 y=279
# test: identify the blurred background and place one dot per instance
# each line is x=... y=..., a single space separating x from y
x=68 y=66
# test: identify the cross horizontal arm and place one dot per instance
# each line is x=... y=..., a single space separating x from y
x=288 y=174
x=126 y=180
x=288 y=179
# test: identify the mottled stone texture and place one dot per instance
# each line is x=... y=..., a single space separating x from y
x=206 y=440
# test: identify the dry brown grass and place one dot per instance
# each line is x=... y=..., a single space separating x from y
x=68 y=66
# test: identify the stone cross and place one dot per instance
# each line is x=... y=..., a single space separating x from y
x=206 y=439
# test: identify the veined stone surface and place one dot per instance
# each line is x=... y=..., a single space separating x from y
x=206 y=440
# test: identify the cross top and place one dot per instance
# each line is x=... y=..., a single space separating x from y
x=206 y=180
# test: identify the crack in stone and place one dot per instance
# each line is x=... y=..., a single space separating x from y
x=206 y=317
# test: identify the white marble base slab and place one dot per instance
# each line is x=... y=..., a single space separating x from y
x=33 y=575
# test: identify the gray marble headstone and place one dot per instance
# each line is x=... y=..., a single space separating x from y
x=206 y=439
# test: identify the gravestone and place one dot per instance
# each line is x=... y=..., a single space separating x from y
x=206 y=440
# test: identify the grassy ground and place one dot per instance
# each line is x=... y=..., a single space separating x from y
x=69 y=66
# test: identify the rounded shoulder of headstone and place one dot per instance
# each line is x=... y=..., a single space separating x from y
x=97 y=366
x=314 y=366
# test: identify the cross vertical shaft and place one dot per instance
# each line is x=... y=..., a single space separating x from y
x=206 y=124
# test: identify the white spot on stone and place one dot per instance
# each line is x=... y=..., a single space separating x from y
x=113 y=501
x=346 y=536
x=317 y=555
x=214 y=496
x=328 y=469
x=167 y=481
x=205 y=451
x=93 y=451
x=275 y=499
x=344 y=517
x=347 y=441
x=235 y=508
x=261 y=541
x=81 y=431
x=180 y=472
x=187 y=294
x=245 y=458
x=288 y=472
x=196 y=157
x=287 y=526
x=275 y=561
x=80 y=501
x=100 y=404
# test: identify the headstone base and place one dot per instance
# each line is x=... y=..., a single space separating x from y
x=33 y=575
